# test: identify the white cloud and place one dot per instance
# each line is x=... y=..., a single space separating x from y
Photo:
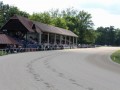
x=103 y=18
x=103 y=2
x=41 y=5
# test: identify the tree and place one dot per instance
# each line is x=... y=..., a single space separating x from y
x=111 y=35
x=106 y=36
x=7 y=11
x=55 y=13
x=59 y=22
x=41 y=17
x=117 y=37
x=70 y=17
x=3 y=10
x=69 y=12
x=70 y=22
x=101 y=39
x=84 y=24
x=90 y=37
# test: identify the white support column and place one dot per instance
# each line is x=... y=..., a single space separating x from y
x=60 y=39
x=76 y=41
x=55 y=39
x=40 y=38
x=73 y=41
x=65 y=40
x=48 y=39
x=26 y=40
x=69 y=40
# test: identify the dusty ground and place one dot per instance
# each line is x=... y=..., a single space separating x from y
x=77 y=69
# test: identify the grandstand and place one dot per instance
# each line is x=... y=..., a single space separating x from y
x=25 y=33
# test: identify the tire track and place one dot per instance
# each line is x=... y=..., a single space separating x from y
x=45 y=60
x=62 y=75
x=36 y=76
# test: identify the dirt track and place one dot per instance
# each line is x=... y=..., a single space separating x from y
x=77 y=69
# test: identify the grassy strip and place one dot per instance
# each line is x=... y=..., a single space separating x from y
x=2 y=53
x=116 y=56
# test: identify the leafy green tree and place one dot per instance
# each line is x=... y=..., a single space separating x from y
x=111 y=35
x=41 y=17
x=117 y=37
x=54 y=13
x=7 y=11
x=59 y=22
x=70 y=17
x=106 y=35
x=69 y=12
x=90 y=37
x=70 y=22
x=100 y=39
x=84 y=24
x=3 y=10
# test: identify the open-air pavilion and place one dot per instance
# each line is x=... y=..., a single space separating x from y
x=32 y=34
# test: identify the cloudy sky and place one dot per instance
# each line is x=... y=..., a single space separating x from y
x=104 y=12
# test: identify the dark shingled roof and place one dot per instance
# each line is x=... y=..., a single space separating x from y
x=52 y=29
x=28 y=24
x=5 y=39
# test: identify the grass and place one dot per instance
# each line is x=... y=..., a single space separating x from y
x=2 y=53
x=116 y=56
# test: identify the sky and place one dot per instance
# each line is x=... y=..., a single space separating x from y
x=104 y=12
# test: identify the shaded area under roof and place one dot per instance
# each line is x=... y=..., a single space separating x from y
x=5 y=39
x=28 y=25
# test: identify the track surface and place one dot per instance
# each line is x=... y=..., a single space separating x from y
x=77 y=69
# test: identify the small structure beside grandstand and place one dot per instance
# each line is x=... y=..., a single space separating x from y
x=26 y=33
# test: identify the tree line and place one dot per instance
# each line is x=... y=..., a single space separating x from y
x=79 y=22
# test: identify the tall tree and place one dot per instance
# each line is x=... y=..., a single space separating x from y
x=111 y=35
x=106 y=35
x=54 y=13
x=90 y=37
x=59 y=22
x=41 y=17
x=70 y=17
x=7 y=11
x=3 y=10
x=101 y=39
x=117 y=38
x=84 y=23
x=69 y=12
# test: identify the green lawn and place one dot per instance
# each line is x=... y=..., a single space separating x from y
x=2 y=53
x=116 y=56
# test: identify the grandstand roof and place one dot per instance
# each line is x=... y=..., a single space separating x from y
x=5 y=39
x=38 y=27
